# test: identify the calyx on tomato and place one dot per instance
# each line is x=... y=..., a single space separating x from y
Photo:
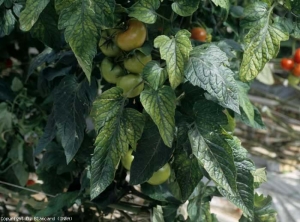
x=107 y=43
x=133 y=37
x=137 y=62
x=131 y=84
x=161 y=175
x=110 y=71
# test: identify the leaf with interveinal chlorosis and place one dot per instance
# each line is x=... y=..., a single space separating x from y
x=210 y=147
x=185 y=7
x=175 y=51
x=244 y=196
x=71 y=104
x=254 y=14
x=188 y=173
x=222 y=3
x=151 y=154
x=118 y=128
x=31 y=13
x=154 y=74
x=199 y=204
x=260 y=176
x=160 y=105
x=145 y=10
x=82 y=21
x=45 y=29
x=263 y=211
x=207 y=68
x=262 y=43
x=7 y=21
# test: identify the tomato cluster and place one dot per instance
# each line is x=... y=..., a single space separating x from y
x=157 y=178
x=120 y=66
x=292 y=65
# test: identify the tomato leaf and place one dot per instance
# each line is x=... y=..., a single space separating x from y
x=71 y=104
x=176 y=52
x=31 y=13
x=144 y=10
x=188 y=173
x=6 y=118
x=222 y=3
x=160 y=105
x=244 y=196
x=260 y=176
x=263 y=211
x=57 y=203
x=45 y=29
x=7 y=21
x=157 y=214
x=154 y=74
x=151 y=154
x=207 y=68
x=262 y=41
x=210 y=147
x=119 y=128
x=21 y=172
x=82 y=21
x=185 y=7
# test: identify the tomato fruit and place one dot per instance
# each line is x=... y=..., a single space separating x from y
x=110 y=71
x=297 y=56
x=296 y=70
x=107 y=43
x=127 y=159
x=161 y=175
x=131 y=84
x=199 y=34
x=132 y=38
x=293 y=80
x=8 y=63
x=136 y=63
x=30 y=182
x=287 y=64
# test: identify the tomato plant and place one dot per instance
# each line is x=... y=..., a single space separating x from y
x=297 y=56
x=296 y=70
x=287 y=64
x=173 y=100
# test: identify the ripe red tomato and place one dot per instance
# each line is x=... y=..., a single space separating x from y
x=296 y=70
x=30 y=183
x=132 y=38
x=287 y=64
x=199 y=34
x=297 y=56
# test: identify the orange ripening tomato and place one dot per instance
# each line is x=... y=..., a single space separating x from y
x=132 y=38
x=287 y=64
x=297 y=56
x=296 y=70
x=199 y=34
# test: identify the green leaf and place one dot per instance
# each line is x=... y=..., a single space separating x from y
x=45 y=29
x=260 y=176
x=7 y=21
x=160 y=105
x=5 y=91
x=207 y=68
x=263 y=211
x=295 y=7
x=175 y=51
x=253 y=14
x=119 y=127
x=145 y=11
x=154 y=74
x=57 y=203
x=244 y=196
x=222 y=3
x=6 y=118
x=188 y=173
x=266 y=75
x=185 y=7
x=21 y=173
x=31 y=13
x=159 y=192
x=82 y=21
x=170 y=212
x=71 y=105
x=157 y=214
x=151 y=155
x=262 y=41
x=16 y=85
x=210 y=147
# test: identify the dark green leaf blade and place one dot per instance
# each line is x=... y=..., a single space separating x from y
x=185 y=7
x=154 y=74
x=160 y=105
x=151 y=154
x=7 y=21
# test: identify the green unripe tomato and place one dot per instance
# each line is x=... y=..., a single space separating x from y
x=107 y=43
x=110 y=71
x=293 y=80
x=136 y=63
x=131 y=84
x=127 y=159
x=161 y=175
